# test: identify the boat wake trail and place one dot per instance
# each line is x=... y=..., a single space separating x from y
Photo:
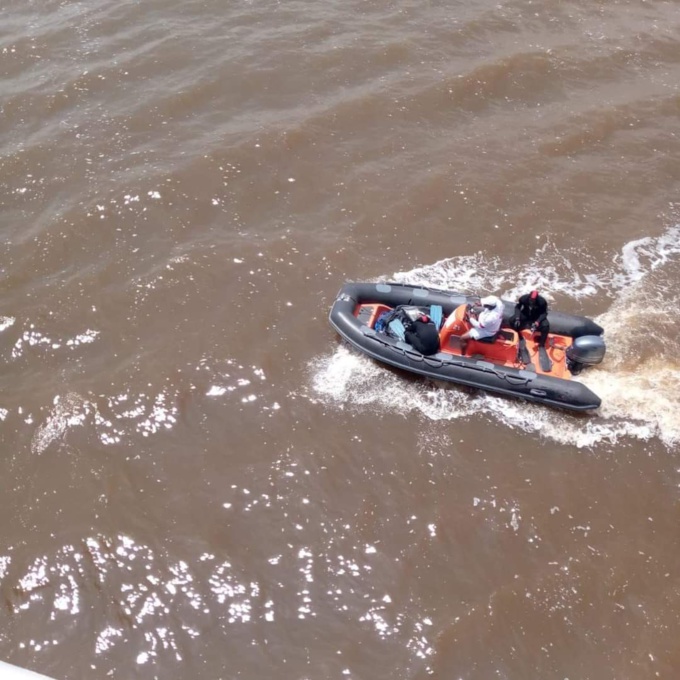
x=639 y=380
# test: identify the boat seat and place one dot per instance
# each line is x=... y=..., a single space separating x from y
x=489 y=340
x=505 y=335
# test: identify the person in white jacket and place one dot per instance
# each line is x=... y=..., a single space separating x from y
x=486 y=323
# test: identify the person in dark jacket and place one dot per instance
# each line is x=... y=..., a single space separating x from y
x=531 y=311
x=422 y=335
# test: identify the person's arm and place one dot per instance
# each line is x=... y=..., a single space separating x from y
x=543 y=308
x=486 y=319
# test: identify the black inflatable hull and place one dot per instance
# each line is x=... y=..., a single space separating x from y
x=485 y=375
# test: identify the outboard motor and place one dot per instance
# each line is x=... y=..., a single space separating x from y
x=587 y=350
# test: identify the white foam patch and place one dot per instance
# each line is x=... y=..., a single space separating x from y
x=116 y=417
x=113 y=420
x=347 y=377
x=550 y=269
x=106 y=639
x=573 y=272
x=639 y=381
x=33 y=337
x=69 y=411
x=645 y=255
x=6 y=322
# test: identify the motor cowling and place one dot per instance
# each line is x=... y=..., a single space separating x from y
x=587 y=350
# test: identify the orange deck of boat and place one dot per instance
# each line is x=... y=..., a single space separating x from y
x=502 y=352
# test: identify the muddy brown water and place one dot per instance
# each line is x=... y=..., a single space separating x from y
x=200 y=480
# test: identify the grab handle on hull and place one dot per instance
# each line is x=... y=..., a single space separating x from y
x=514 y=379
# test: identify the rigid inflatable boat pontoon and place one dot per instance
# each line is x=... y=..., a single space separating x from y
x=537 y=375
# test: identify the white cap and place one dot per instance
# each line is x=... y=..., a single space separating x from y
x=490 y=301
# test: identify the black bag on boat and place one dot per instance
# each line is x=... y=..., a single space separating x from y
x=423 y=337
x=404 y=313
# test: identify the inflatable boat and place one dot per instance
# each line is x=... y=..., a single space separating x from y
x=510 y=363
